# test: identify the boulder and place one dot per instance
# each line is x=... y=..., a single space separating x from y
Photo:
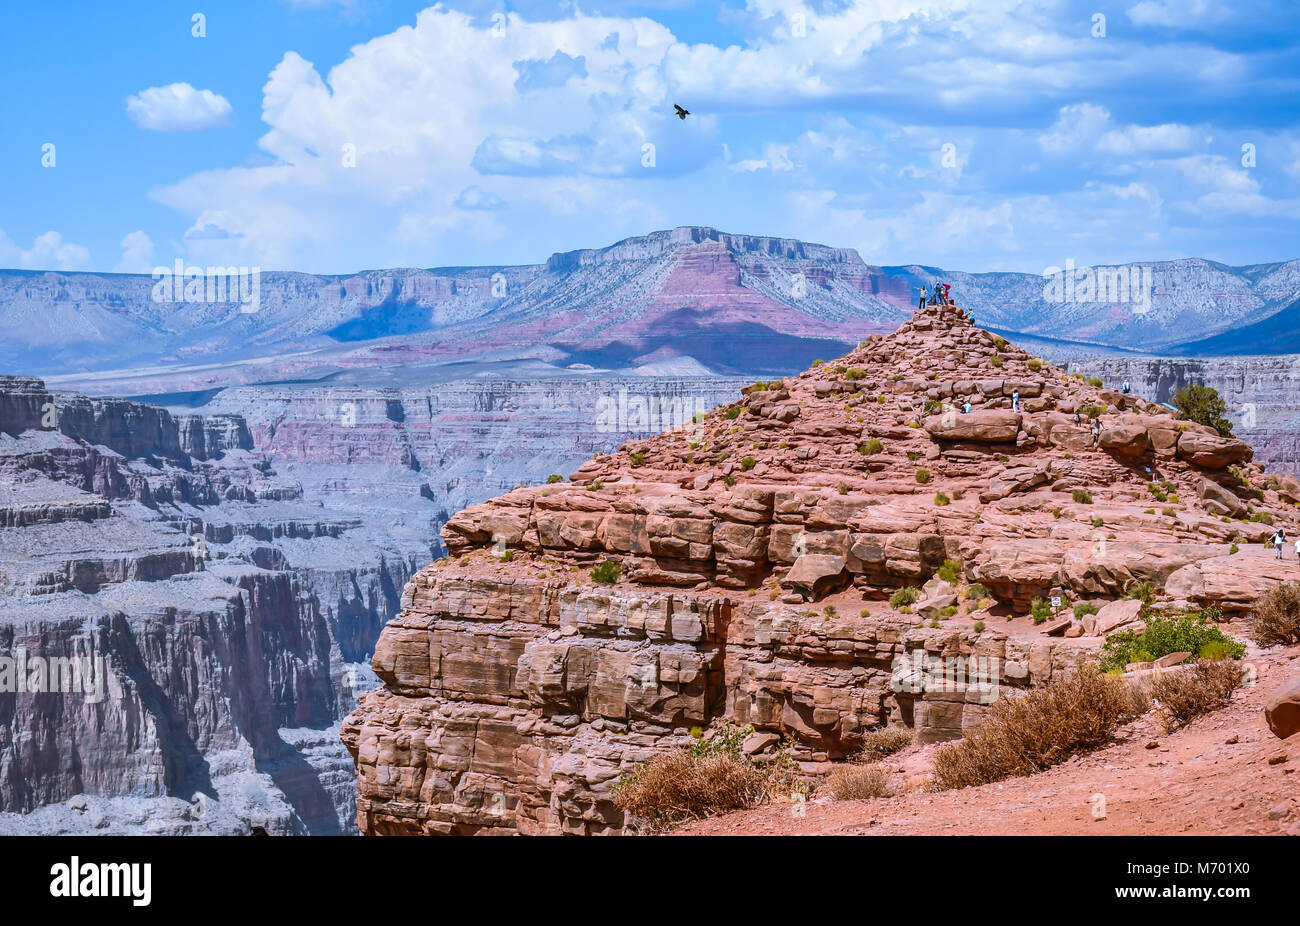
x=930 y=607
x=992 y=426
x=1231 y=583
x=1128 y=441
x=1288 y=487
x=1219 y=500
x=815 y=575
x=1283 y=709
x=1112 y=616
x=1211 y=451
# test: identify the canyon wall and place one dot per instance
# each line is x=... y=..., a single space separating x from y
x=225 y=621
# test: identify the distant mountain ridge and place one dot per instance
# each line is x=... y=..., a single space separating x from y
x=734 y=303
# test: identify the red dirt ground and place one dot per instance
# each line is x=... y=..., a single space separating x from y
x=1213 y=777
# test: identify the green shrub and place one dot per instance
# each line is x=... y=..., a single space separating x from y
x=554 y=478
x=999 y=342
x=940 y=499
x=1082 y=496
x=1095 y=382
x=748 y=463
x=1180 y=633
x=638 y=457
x=732 y=413
x=1041 y=610
x=1034 y=364
x=1093 y=411
x=1083 y=609
x=854 y=373
x=904 y=597
x=996 y=360
x=979 y=627
x=976 y=592
x=950 y=571
x=1204 y=405
x=607 y=572
x=933 y=406
x=923 y=475
x=871 y=447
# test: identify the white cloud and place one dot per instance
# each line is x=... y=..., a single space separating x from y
x=48 y=252
x=178 y=108
x=137 y=254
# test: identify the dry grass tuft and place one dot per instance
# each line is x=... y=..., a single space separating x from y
x=1185 y=694
x=1025 y=735
x=882 y=743
x=1276 y=620
x=857 y=782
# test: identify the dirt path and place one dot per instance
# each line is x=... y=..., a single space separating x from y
x=1212 y=777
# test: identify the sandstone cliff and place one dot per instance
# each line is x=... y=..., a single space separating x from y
x=230 y=615
x=755 y=554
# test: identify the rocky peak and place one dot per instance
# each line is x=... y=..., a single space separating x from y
x=744 y=568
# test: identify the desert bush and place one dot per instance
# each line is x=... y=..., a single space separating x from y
x=923 y=475
x=748 y=463
x=941 y=499
x=732 y=413
x=1276 y=618
x=854 y=782
x=884 y=742
x=1204 y=405
x=872 y=446
x=1165 y=634
x=1141 y=591
x=1082 y=496
x=1095 y=382
x=904 y=596
x=976 y=592
x=1083 y=609
x=638 y=457
x=1034 y=363
x=1041 y=610
x=854 y=373
x=933 y=406
x=1069 y=716
x=950 y=571
x=999 y=342
x=607 y=572
x=1185 y=694
x=1093 y=411
x=710 y=777
x=554 y=478
x=996 y=360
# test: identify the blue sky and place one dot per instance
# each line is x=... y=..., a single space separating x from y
x=334 y=136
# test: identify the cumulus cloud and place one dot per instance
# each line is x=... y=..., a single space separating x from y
x=48 y=252
x=452 y=140
x=178 y=108
x=137 y=254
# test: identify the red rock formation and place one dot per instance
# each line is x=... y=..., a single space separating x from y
x=517 y=687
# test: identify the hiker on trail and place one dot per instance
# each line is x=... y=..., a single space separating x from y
x=1124 y=388
x=946 y=287
x=1015 y=401
x=1297 y=549
x=1096 y=432
x=1078 y=420
x=921 y=304
x=965 y=410
x=1279 y=540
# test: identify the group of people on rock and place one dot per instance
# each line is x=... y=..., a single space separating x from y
x=939 y=296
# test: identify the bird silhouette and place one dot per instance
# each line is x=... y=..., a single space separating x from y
x=681 y=113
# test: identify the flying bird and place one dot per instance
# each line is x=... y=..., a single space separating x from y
x=681 y=113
